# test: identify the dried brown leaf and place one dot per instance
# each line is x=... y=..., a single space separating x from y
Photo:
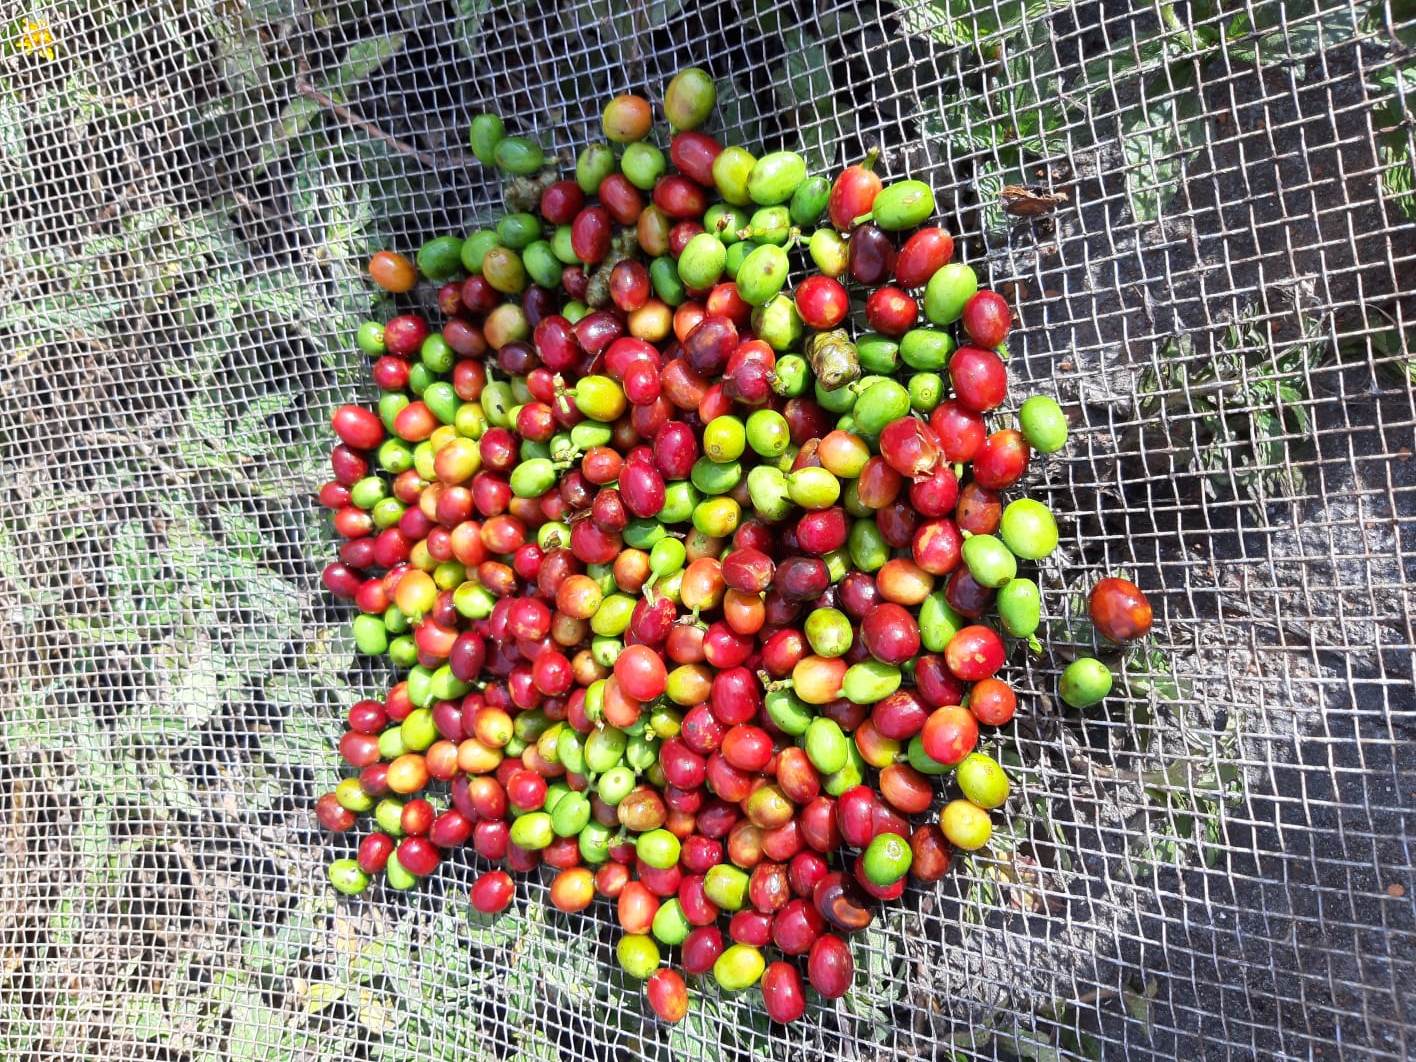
x=1033 y=202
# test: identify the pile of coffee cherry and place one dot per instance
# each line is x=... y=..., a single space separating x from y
x=703 y=581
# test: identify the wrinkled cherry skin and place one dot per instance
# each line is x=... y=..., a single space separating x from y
x=1119 y=610
x=749 y=570
x=910 y=447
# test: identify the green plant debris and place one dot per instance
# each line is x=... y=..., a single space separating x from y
x=1241 y=409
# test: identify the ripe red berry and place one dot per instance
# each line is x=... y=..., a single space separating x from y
x=987 y=318
x=891 y=311
x=822 y=302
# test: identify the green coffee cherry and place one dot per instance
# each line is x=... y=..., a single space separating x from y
x=774 y=178
x=1044 y=424
x=903 y=205
x=989 y=561
x=638 y=955
x=827 y=747
x=947 y=291
x=1029 y=529
x=738 y=968
x=485 y=133
x=1020 y=607
x=519 y=155
x=1085 y=682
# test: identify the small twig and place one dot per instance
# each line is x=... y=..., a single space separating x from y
x=1176 y=774
x=1089 y=766
x=349 y=118
x=249 y=205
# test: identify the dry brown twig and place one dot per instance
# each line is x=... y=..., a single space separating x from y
x=306 y=88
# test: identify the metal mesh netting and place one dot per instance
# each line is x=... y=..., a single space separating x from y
x=1215 y=862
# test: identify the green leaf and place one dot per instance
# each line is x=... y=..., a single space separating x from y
x=1016 y=119
x=1129 y=59
x=12 y=133
x=359 y=62
x=467 y=24
x=964 y=22
x=1158 y=140
x=807 y=92
x=878 y=985
x=258 y=1032
x=623 y=27
x=739 y=115
x=1288 y=32
x=1138 y=1004
x=141 y=1017
x=1394 y=139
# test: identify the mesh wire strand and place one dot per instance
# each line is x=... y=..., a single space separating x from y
x=1214 y=862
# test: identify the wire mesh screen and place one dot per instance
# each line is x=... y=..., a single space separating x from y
x=1208 y=237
